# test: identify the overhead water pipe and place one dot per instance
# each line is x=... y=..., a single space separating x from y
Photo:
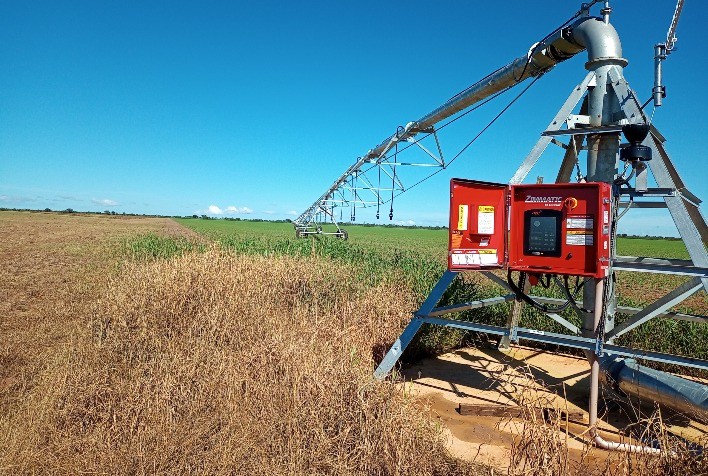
x=541 y=57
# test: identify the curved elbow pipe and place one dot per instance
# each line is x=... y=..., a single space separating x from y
x=600 y=442
x=601 y=41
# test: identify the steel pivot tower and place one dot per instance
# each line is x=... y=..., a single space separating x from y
x=608 y=106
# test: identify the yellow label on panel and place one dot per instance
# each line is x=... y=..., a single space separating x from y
x=485 y=220
x=456 y=240
x=462 y=217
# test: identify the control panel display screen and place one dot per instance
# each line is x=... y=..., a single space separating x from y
x=542 y=232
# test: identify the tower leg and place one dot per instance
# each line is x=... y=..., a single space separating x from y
x=413 y=327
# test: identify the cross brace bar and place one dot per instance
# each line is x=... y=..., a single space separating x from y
x=573 y=342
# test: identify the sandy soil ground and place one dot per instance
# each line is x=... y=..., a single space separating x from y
x=484 y=375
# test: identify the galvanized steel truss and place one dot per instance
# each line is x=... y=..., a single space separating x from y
x=372 y=181
x=681 y=203
x=569 y=39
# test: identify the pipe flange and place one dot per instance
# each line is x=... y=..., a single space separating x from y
x=610 y=60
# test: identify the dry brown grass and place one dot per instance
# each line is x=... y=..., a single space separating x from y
x=678 y=456
x=51 y=266
x=211 y=363
x=540 y=446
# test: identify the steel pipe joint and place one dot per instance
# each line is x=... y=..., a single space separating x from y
x=600 y=39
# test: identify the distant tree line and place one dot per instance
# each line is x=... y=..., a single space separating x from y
x=286 y=220
x=67 y=211
x=648 y=237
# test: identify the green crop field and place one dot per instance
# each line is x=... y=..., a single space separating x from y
x=415 y=258
x=422 y=240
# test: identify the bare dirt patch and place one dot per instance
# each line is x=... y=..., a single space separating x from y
x=485 y=376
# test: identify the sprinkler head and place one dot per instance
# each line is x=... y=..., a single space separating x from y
x=635 y=134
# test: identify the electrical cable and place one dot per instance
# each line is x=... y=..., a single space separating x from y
x=622 y=180
x=518 y=290
x=571 y=295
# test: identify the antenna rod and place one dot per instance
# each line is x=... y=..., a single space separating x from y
x=661 y=51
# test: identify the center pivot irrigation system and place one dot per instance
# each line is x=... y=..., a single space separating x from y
x=552 y=234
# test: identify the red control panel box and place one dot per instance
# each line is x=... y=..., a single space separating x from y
x=546 y=228
x=478 y=222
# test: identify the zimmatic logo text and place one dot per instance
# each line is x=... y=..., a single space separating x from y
x=553 y=200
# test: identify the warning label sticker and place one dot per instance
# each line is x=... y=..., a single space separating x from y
x=584 y=222
x=579 y=238
x=485 y=220
x=456 y=240
x=462 y=215
x=474 y=257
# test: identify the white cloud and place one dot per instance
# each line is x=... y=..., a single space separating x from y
x=269 y=212
x=106 y=202
x=214 y=210
x=17 y=199
x=292 y=212
x=410 y=222
x=233 y=210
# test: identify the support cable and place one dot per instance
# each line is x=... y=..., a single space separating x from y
x=473 y=140
x=450 y=122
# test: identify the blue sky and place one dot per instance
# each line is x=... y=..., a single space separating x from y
x=176 y=107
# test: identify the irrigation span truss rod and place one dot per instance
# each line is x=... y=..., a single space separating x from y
x=541 y=57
